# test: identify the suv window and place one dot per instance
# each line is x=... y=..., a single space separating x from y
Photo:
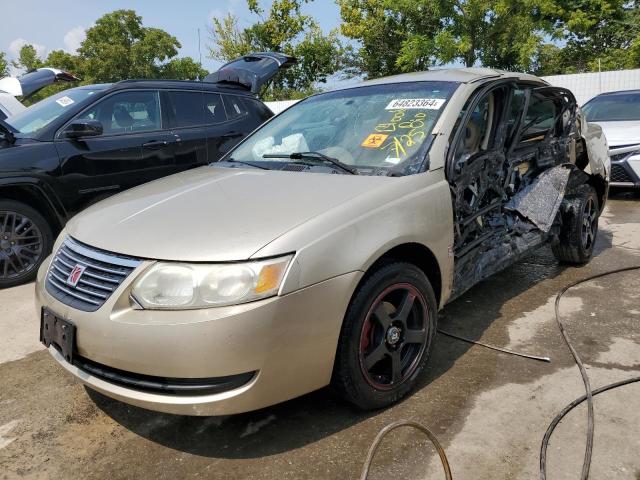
x=235 y=106
x=214 y=109
x=186 y=109
x=137 y=111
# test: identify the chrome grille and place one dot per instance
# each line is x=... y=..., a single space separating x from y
x=103 y=273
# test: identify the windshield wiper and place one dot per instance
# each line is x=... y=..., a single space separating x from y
x=321 y=157
x=254 y=165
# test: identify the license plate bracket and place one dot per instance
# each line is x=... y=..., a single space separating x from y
x=59 y=332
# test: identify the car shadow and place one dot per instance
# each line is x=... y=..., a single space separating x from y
x=312 y=417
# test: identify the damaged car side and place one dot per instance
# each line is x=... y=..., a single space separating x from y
x=321 y=247
x=524 y=154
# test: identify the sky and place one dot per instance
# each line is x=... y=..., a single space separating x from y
x=52 y=25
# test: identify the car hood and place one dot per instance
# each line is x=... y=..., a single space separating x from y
x=621 y=133
x=213 y=214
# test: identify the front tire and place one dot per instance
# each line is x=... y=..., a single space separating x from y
x=580 y=215
x=25 y=241
x=386 y=336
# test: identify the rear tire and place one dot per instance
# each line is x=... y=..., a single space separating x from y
x=386 y=337
x=580 y=213
x=25 y=241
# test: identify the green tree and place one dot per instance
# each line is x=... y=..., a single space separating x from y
x=28 y=58
x=118 y=47
x=283 y=29
x=4 y=65
x=182 y=69
x=407 y=35
x=594 y=34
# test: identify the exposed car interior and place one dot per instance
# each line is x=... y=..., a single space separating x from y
x=512 y=135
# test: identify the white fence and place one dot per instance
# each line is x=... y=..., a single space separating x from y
x=585 y=86
x=280 y=105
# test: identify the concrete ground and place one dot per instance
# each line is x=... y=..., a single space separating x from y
x=489 y=409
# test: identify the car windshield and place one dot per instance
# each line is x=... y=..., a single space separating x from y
x=36 y=117
x=371 y=129
x=612 y=108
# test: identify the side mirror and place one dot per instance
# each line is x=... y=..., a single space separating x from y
x=83 y=128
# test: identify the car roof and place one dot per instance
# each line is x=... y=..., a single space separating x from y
x=182 y=85
x=618 y=92
x=460 y=75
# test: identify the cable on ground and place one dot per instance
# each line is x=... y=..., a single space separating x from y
x=412 y=424
x=586 y=464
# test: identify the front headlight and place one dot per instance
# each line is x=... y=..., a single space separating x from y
x=181 y=286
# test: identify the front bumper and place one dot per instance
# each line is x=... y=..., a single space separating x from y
x=625 y=167
x=281 y=347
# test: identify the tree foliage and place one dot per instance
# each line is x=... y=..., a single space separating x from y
x=406 y=35
x=4 y=65
x=543 y=36
x=117 y=47
x=283 y=29
x=27 y=58
x=597 y=34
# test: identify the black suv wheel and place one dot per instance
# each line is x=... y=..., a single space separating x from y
x=580 y=215
x=25 y=241
x=386 y=337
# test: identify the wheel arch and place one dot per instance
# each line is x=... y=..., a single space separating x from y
x=415 y=253
x=33 y=196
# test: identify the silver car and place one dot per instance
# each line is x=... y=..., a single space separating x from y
x=320 y=249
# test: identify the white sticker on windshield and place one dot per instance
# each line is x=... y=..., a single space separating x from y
x=64 y=101
x=421 y=103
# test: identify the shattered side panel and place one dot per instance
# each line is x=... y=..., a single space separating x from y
x=540 y=201
x=506 y=201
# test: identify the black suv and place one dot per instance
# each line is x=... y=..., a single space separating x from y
x=84 y=144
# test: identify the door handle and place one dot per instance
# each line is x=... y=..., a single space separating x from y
x=232 y=135
x=155 y=144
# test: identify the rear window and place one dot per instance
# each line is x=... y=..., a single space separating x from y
x=611 y=108
x=186 y=109
x=259 y=109
x=235 y=106
x=214 y=109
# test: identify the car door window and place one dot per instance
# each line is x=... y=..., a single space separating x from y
x=477 y=133
x=234 y=106
x=127 y=112
x=214 y=111
x=539 y=118
x=514 y=112
x=186 y=109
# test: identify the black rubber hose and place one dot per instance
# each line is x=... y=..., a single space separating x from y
x=405 y=423
x=586 y=464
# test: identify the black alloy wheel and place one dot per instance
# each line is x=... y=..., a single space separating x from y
x=589 y=223
x=580 y=212
x=387 y=335
x=393 y=336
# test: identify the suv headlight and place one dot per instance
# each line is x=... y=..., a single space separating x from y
x=181 y=286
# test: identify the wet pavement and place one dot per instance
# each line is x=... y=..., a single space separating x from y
x=489 y=409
